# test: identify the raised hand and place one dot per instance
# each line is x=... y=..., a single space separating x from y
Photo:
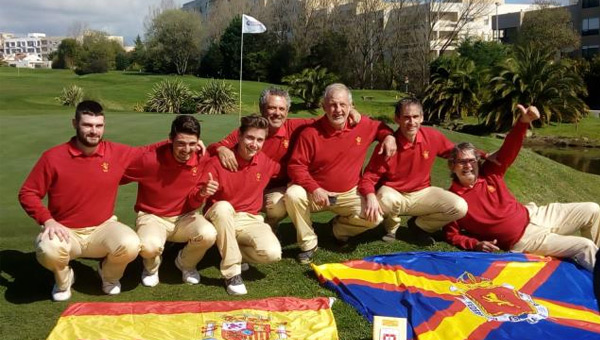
x=528 y=114
x=210 y=187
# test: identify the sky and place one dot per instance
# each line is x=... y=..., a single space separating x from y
x=57 y=17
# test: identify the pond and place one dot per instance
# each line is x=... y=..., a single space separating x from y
x=582 y=159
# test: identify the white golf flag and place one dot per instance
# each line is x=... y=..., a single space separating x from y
x=251 y=25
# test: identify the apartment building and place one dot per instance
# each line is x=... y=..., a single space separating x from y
x=34 y=43
x=585 y=15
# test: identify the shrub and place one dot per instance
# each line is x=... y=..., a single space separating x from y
x=216 y=97
x=171 y=96
x=71 y=95
x=310 y=84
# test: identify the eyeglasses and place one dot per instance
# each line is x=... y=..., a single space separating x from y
x=464 y=162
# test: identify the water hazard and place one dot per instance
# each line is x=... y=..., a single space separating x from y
x=582 y=159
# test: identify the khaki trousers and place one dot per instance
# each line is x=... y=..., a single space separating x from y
x=349 y=207
x=242 y=237
x=115 y=242
x=434 y=207
x=191 y=228
x=274 y=206
x=551 y=230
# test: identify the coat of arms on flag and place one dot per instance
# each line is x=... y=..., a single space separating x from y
x=267 y=319
x=467 y=295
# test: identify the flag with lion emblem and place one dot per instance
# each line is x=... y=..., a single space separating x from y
x=467 y=295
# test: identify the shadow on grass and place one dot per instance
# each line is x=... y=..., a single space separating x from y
x=26 y=281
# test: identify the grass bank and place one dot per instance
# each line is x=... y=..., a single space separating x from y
x=31 y=121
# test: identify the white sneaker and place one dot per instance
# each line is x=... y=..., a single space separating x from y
x=63 y=295
x=389 y=237
x=149 y=280
x=109 y=288
x=235 y=285
x=191 y=277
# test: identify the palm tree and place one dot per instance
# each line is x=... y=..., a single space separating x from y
x=310 y=84
x=454 y=91
x=532 y=77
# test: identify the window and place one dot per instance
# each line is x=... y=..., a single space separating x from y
x=590 y=3
x=590 y=26
x=589 y=51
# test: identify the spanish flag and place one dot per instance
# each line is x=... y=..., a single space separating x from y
x=267 y=319
x=467 y=295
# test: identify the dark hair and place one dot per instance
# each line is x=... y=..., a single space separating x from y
x=402 y=104
x=185 y=124
x=273 y=91
x=253 y=121
x=88 y=107
x=458 y=148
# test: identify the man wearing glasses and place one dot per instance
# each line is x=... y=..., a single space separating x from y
x=496 y=220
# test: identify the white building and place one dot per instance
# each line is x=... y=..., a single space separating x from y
x=33 y=44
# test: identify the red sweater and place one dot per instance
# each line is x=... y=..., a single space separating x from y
x=81 y=189
x=164 y=183
x=409 y=169
x=243 y=189
x=494 y=213
x=277 y=146
x=326 y=158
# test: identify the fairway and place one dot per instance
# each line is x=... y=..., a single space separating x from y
x=31 y=121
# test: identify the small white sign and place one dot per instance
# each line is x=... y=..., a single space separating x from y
x=389 y=328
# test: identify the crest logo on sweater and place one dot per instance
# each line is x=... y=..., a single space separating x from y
x=194 y=171
x=286 y=143
x=358 y=140
x=258 y=176
x=105 y=167
x=426 y=154
x=491 y=189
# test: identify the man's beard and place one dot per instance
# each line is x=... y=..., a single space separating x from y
x=81 y=138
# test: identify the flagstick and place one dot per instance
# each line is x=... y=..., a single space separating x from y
x=241 y=59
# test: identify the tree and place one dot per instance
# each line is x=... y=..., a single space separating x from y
x=549 y=29
x=66 y=54
x=454 y=91
x=485 y=54
x=309 y=85
x=174 y=38
x=138 y=55
x=531 y=77
x=97 y=53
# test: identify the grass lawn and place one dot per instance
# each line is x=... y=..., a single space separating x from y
x=31 y=122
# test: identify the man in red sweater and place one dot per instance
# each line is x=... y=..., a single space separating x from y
x=81 y=178
x=274 y=104
x=496 y=220
x=404 y=181
x=165 y=177
x=325 y=169
x=234 y=210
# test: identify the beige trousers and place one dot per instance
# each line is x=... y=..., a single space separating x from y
x=242 y=237
x=551 y=230
x=115 y=242
x=274 y=206
x=191 y=228
x=434 y=207
x=349 y=207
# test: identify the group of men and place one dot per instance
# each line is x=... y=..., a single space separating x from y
x=282 y=166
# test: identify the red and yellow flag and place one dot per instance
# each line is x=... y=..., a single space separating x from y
x=267 y=319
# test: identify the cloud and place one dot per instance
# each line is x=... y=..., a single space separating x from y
x=56 y=17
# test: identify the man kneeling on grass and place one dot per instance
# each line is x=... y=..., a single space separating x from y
x=496 y=220
x=234 y=210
